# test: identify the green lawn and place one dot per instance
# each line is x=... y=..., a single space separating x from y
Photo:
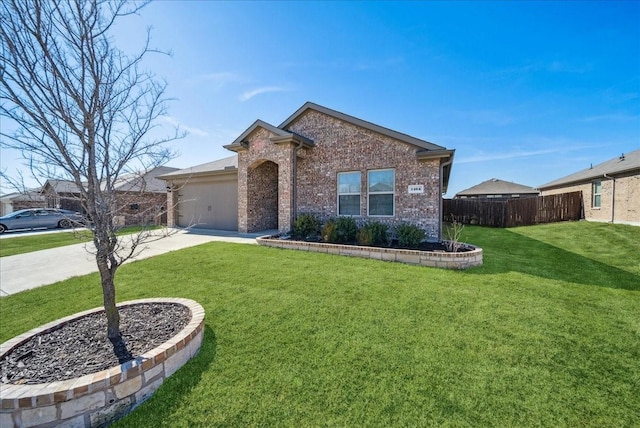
x=546 y=333
x=26 y=244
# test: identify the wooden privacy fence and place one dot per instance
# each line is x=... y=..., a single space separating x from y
x=515 y=212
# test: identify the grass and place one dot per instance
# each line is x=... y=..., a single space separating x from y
x=546 y=333
x=26 y=244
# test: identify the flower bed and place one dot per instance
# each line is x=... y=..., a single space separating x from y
x=472 y=256
x=99 y=398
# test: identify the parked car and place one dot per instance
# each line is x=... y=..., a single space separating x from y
x=38 y=218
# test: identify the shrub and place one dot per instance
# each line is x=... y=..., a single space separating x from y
x=374 y=233
x=346 y=229
x=452 y=232
x=330 y=232
x=364 y=236
x=409 y=235
x=306 y=226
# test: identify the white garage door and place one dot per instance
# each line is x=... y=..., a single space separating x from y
x=209 y=205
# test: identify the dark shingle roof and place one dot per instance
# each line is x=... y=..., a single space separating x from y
x=62 y=186
x=624 y=163
x=134 y=182
x=361 y=123
x=495 y=186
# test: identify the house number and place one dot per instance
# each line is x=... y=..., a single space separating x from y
x=416 y=188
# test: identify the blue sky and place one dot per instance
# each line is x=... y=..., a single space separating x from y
x=523 y=91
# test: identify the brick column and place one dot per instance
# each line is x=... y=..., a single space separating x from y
x=285 y=191
x=243 y=195
x=172 y=207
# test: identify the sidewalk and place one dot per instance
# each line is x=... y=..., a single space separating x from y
x=31 y=270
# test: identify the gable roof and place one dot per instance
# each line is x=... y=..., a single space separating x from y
x=496 y=186
x=361 y=123
x=134 y=182
x=425 y=149
x=281 y=136
x=219 y=166
x=624 y=163
x=61 y=186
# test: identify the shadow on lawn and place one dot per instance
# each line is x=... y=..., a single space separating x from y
x=169 y=396
x=512 y=252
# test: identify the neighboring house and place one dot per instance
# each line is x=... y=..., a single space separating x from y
x=62 y=194
x=19 y=201
x=141 y=198
x=497 y=190
x=610 y=190
x=317 y=161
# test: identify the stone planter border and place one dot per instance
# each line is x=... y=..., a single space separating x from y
x=438 y=259
x=101 y=397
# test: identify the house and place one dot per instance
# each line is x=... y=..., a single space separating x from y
x=610 y=190
x=140 y=198
x=21 y=200
x=205 y=195
x=62 y=194
x=498 y=190
x=318 y=161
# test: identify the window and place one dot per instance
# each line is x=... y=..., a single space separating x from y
x=348 y=193
x=596 y=190
x=382 y=183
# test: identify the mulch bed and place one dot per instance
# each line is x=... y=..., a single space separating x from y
x=81 y=346
x=424 y=246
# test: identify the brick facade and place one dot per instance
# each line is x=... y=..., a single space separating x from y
x=262 y=209
x=142 y=208
x=620 y=201
x=256 y=168
x=307 y=173
x=132 y=208
x=343 y=147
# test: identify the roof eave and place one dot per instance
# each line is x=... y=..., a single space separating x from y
x=435 y=154
x=232 y=170
x=573 y=182
x=407 y=139
x=240 y=143
x=293 y=138
x=237 y=147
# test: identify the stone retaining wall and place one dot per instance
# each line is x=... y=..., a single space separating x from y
x=101 y=397
x=437 y=259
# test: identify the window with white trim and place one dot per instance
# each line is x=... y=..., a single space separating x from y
x=381 y=185
x=349 y=193
x=596 y=191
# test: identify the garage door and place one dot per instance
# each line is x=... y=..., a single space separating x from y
x=212 y=204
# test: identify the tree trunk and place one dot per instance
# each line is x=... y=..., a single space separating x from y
x=109 y=297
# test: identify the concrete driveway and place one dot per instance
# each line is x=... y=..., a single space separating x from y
x=31 y=270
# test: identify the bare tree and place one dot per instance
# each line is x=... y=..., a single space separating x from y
x=82 y=108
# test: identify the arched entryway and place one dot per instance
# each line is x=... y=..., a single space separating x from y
x=262 y=196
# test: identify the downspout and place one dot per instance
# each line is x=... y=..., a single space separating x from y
x=442 y=165
x=613 y=196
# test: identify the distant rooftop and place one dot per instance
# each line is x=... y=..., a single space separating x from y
x=133 y=182
x=496 y=186
x=621 y=164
